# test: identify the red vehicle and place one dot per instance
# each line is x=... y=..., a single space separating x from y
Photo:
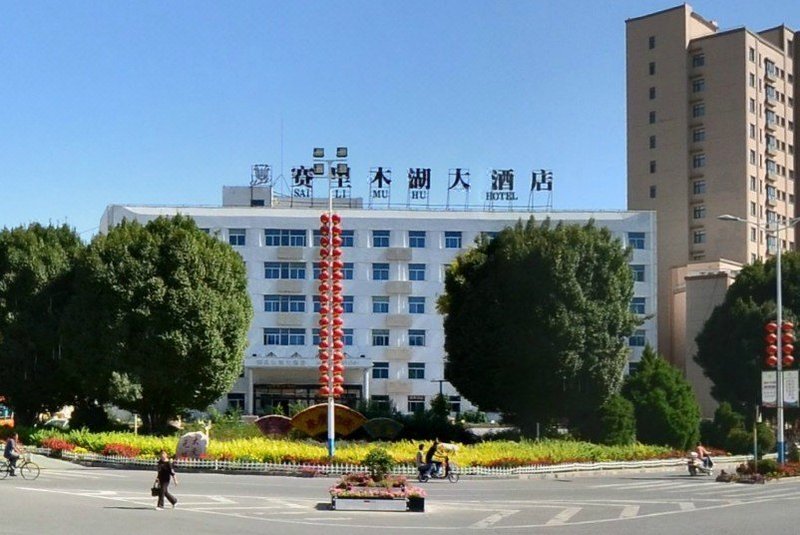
x=6 y=416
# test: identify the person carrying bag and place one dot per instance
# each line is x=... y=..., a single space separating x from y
x=166 y=472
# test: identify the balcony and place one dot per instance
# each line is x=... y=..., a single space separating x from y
x=398 y=254
x=289 y=286
x=771 y=101
x=398 y=387
x=771 y=125
x=772 y=149
x=398 y=321
x=398 y=288
x=397 y=354
x=771 y=175
x=290 y=253
x=288 y=319
x=771 y=75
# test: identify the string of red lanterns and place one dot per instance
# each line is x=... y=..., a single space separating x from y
x=331 y=331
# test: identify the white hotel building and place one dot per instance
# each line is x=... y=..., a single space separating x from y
x=395 y=263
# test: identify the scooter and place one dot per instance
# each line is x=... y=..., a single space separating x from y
x=449 y=472
x=697 y=466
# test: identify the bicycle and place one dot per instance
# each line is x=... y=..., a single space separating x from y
x=26 y=468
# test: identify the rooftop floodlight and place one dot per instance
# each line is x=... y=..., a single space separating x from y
x=341 y=168
x=319 y=169
x=319 y=152
x=341 y=152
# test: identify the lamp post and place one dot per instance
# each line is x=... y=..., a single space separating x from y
x=776 y=230
x=331 y=346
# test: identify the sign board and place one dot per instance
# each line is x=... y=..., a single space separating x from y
x=769 y=391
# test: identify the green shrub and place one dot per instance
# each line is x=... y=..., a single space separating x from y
x=766 y=438
x=617 y=422
x=794 y=453
x=739 y=441
x=379 y=463
x=767 y=466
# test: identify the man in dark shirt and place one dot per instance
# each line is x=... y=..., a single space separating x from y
x=11 y=452
x=433 y=466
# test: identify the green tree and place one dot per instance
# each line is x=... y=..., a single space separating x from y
x=159 y=319
x=730 y=348
x=35 y=285
x=666 y=408
x=536 y=320
x=615 y=423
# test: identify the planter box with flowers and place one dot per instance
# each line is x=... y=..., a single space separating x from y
x=361 y=492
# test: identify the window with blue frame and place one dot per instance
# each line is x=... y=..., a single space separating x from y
x=380 y=304
x=416 y=239
x=416 y=272
x=380 y=370
x=380 y=272
x=284 y=270
x=638 y=339
x=416 y=370
x=275 y=237
x=636 y=240
x=416 y=337
x=416 y=305
x=284 y=303
x=638 y=272
x=278 y=336
x=638 y=305
x=452 y=240
x=380 y=337
x=380 y=238
x=237 y=237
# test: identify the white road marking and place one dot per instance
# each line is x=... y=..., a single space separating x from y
x=629 y=511
x=564 y=516
x=492 y=519
x=686 y=506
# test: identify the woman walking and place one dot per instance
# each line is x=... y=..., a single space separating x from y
x=165 y=472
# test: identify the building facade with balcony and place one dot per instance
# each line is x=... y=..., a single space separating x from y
x=395 y=263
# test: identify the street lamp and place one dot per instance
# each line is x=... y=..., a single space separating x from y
x=776 y=230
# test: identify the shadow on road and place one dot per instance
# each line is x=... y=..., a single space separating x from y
x=323 y=506
x=138 y=507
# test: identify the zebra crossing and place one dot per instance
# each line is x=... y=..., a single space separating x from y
x=77 y=473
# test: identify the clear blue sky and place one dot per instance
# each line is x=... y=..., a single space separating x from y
x=164 y=102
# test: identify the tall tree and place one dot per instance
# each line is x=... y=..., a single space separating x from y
x=536 y=320
x=35 y=272
x=730 y=348
x=666 y=409
x=159 y=320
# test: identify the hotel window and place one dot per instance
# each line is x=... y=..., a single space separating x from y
x=699 y=187
x=347 y=304
x=236 y=402
x=699 y=236
x=237 y=237
x=652 y=166
x=771 y=117
x=652 y=192
x=652 y=93
x=416 y=305
x=753 y=234
x=274 y=237
x=416 y=403
x=380 y=403
x=380 y=272
x=284 y=270
x=752 y=131
x=771 y=93
x=652 y=142
x=753 y=184
x=636 y=240
x=380 y=370
x=698 y=110
x=699 y=212
x=652 y=117
x=698 y=60
x=416 y=337
x=752 y=54
x=416 y=370
x=380 y=238
x=416 y=272
x=284 y=303
x=416 y=239
x=752 y=105
x=638 y=272
x=638 y=339
x=651 y=68
x=651 y=42
x=638 y=305
x=452 y=240
x=380 y=337
x=772 y=193
x=698 y=85
x=284 y=337
x=698 y=161
x=699 y=134
x=752 y=80
x=752 y=157
x=380 y=304
x=752 y=208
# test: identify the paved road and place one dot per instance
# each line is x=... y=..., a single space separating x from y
x=69 y=499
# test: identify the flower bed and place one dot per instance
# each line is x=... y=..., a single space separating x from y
x=361 y=492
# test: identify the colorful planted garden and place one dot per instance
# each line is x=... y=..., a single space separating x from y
x=501 y=454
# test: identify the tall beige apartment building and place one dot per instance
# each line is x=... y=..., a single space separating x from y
x=711 y=123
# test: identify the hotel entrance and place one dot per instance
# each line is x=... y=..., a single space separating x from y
x=268 y=397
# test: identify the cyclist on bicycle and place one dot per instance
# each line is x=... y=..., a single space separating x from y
x=12 y=452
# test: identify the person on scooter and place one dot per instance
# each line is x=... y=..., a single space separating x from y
x=433 y=465
x=704 y=455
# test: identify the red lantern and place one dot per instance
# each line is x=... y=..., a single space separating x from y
x=337 y=286
x=324 y=275
x=337 y=391
x=323 y=344
x=771 y=361
x=324 y=332
x=337 y=264
x=337 y=241
x=338 y=310
x=336 y=218
x=324 y=264
x=788 y=360
x=787 y=349
x=323 y=357
x=787 y=338
x=324 y=230
x=771 y=338
x=338 y=299
x=338 y=275
x=324 y=310
x=324 y=288
x=771 y=327
x=338 y=380
x=338 y=356
x=337 y=344
x=772 y=349
x=338 y=321
x=324 y=241
x=324 y=253
x=323 y=368
x=323 y=299
x=336 y=252
x=787 y=326
x=323 y=321
x=337 y=229
x=338 y=333
x=338 y=368
x=325 y=218
x=324 y=391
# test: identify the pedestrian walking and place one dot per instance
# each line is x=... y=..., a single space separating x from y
x=166 y=472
